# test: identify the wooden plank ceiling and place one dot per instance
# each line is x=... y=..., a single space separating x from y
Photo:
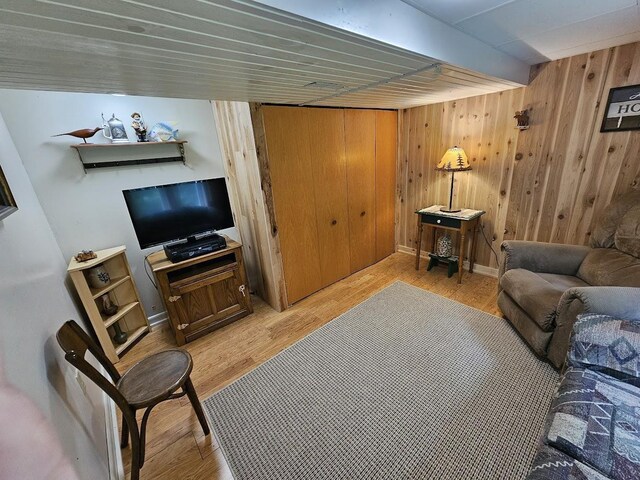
x=221 y=49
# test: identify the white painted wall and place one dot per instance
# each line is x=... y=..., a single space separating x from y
x=87 y=211
x=33 y=304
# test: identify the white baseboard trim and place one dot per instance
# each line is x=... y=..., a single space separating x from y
x=483 y=269
x=157 y=320
x=477 y=268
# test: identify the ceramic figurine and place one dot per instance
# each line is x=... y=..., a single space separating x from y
x=139 y=126
x=114 y=130
x=163 y=132
x=108 y=307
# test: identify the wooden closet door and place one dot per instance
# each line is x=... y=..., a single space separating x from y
x=386 y=153
x=360 y=133
x=289 y=150
x=330 y=187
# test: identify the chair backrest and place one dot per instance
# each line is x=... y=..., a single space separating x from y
x=75 y=342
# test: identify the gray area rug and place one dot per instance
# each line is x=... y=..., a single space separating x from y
x=406 y=385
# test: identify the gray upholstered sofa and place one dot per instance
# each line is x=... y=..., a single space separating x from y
x=592 y=430
x=544 y=286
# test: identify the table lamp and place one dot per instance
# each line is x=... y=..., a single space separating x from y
x=454 y=160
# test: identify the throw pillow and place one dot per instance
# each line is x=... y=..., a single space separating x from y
x=608 y=345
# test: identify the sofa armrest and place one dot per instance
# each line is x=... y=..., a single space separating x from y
x=606 y=344
x=617 y=302
x=620 y=302
x=542 y=257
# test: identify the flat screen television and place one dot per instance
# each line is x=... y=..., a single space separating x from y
x=166 y=213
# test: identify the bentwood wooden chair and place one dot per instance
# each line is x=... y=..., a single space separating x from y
x=147 y=383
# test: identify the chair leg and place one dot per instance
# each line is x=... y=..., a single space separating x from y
x=143 y=433
x=195 y=403
x=136 y=463
x=124 y=438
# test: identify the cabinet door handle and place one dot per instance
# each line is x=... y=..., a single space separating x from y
x=334 y=222
x=174 y=298
x=362 y=214
x=242 y=289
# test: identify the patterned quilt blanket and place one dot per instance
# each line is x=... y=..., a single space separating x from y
x=592 y=430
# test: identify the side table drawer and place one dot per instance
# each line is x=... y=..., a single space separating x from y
x=441 y=221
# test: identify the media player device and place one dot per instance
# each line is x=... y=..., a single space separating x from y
x=177 y=252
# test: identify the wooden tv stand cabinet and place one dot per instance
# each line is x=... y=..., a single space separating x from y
x=203 y=293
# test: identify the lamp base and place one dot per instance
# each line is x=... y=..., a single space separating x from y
x=450 y=210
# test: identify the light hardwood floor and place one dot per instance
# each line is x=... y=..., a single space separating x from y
x=176 y=447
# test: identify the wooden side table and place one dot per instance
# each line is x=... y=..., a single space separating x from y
x=465 y=222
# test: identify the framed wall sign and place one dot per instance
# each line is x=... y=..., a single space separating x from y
x=623 y=110
x=7 y=202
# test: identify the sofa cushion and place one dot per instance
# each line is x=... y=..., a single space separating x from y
x=563 y=282
x=594 y=419
x=627 y=236
x=537 y=294
x=603 y=235
x=610 y=267
x=552 y=464
x=607 y=345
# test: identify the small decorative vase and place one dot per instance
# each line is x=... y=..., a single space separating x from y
x=98 y=277
x=120 y=337
x=444 y=246
x=108 y=307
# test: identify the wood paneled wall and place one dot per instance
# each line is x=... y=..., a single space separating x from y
x=250 y=195
x=548 y=183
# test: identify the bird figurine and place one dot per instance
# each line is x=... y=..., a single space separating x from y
x=83 y=133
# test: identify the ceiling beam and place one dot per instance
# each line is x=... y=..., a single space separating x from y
x=396 y=23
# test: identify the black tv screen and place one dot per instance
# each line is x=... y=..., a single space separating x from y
x=166 y=213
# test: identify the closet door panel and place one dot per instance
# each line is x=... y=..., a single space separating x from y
x=330 y=188
x=289 y=150
x=360 y=133
x=386 y=154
